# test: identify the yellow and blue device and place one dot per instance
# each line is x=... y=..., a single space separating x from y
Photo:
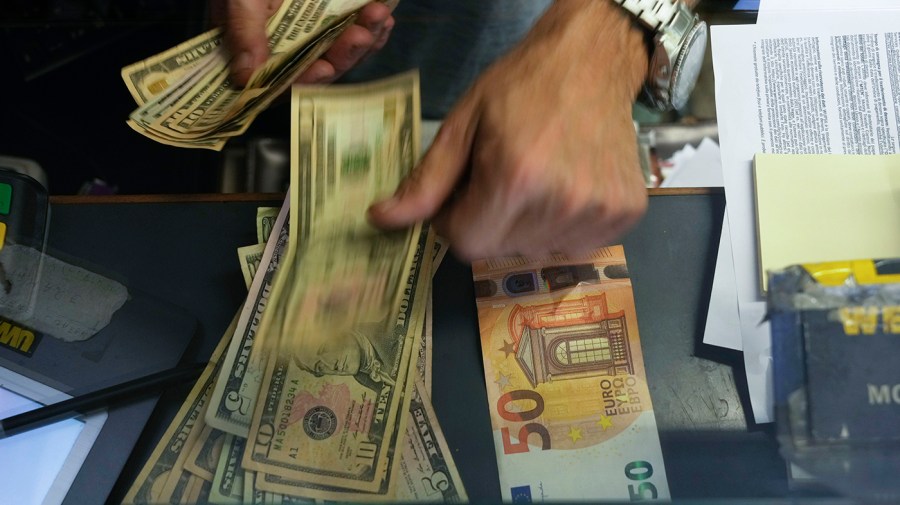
x=865 y=272
x=835 y=331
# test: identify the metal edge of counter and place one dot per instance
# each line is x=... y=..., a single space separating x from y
x=253 y=197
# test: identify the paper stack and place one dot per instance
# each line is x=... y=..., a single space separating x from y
x=808 y=78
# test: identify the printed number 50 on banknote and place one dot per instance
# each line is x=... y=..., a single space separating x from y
x=568 y=396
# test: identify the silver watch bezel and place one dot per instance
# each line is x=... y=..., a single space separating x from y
x=700 y=30
x=672 y=42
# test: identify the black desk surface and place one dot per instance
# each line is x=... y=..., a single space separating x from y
x=183 y=249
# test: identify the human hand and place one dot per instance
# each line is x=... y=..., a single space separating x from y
x=541 y=154
x=244 y=22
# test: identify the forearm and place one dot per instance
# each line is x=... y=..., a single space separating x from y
x=601 y=36
x=596 y=36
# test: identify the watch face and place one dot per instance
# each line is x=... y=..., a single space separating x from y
x=687 y=68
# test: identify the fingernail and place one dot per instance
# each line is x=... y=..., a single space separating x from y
x=384 y=205
x=320 y=78
x=357 y=51
x=375 y=26
x=243 y=61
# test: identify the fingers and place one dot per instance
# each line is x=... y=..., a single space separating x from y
x=346 y=52
x=479 y=223
x=245 y=35
x=373 y=16
x=593 y=230
x=599 y=208
x=527 y=209
x=431 y=184
x=320 y=72
x=383 y=35
x=369 y=34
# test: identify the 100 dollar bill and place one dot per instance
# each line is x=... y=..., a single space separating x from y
x=570 y=407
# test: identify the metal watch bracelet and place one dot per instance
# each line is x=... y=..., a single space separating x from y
x=653 y=14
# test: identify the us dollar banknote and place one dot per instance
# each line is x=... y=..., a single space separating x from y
x=228 y=482
x=234 y=396
x=152 y=483
x=351 y=146
x=348 y=302
x=428 y=472
x=185 y=95
x=338 y=401
x=265 y=223
x=565 y=378
x=204 y=455
x=249 y=257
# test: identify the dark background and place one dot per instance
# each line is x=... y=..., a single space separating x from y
x=64 y=105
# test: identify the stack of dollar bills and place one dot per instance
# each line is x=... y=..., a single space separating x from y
x=319 y=389
x=186 y=97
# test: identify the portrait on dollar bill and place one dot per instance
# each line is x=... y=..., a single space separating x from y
x=363 y=352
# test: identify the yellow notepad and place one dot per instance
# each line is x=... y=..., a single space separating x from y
x=825 y=207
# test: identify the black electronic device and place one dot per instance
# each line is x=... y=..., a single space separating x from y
x=24 y=218
x=70 y=330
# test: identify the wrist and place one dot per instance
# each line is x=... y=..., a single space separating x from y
x=678 y=46
x=601 y=39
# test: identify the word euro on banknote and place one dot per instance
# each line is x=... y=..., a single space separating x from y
x=567 y=391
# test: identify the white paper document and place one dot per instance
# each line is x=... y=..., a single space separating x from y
x=702 y=167
x=798 y=88
x=722 y=318
x=772 y=10
x=699 y=167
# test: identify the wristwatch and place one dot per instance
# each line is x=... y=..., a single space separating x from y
x=679 y=43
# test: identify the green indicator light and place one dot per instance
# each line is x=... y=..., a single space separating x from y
x=5 y=197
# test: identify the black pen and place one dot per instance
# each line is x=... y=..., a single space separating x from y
x=88 y=402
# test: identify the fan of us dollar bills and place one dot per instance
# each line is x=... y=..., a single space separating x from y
x=185 y=95
x=320 y=387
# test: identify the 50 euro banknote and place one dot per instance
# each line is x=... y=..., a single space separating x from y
x=567 y=390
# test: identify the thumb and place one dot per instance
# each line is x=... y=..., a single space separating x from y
x=245 y=37
x=425 y=190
